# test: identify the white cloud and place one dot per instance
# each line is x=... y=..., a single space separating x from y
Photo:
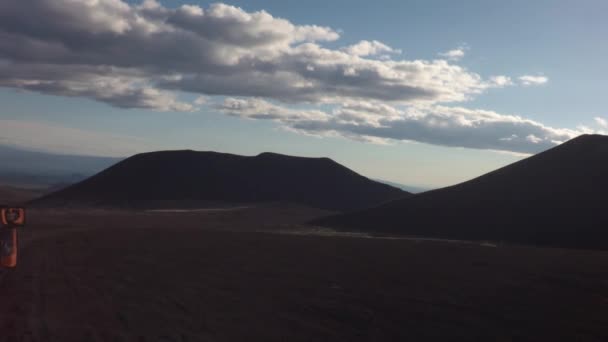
x=510 y=138
x=601 y=122
x=73 y=48
x=192 y=10
x=370 y=48
x=530 y=80
x=65 y=140
x=201 y=100
x=253 y=108
x=454 y=54
x=501 y=81
x=143 y=56
x=533 y=139
x=439 y=125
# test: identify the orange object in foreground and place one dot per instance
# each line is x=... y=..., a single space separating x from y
x=12 y=217
x=8 y=247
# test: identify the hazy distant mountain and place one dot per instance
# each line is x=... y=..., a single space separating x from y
x=412 y=189
x=558 y=197
x=185 y=178
x=25 y=168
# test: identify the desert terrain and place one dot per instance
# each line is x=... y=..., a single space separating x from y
x=257 y=274
x=303 y=171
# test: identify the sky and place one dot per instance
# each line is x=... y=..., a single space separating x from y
x=424 y=93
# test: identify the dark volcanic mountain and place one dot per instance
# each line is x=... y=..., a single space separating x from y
x=558 y=197
x=188 y=178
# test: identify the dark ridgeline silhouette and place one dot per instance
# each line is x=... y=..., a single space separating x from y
x=556 y=198
x=189 y=178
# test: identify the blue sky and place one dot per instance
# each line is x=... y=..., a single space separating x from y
x=560 y=43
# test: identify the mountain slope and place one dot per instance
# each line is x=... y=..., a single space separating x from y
x=558 y=197
x=181 y=178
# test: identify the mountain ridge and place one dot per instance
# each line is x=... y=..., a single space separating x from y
x=554 y=198
x=193 y=177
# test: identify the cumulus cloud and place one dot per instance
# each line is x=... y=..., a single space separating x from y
x=370 y=48
x=201 y=100
x=434 y=124
x=501 y=81
x=217 y=50
x=530 y=80
x=533 y=139
x=601 y=122
x=145 y=55
x=259 y=109
x=454 y=54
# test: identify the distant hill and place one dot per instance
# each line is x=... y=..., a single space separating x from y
x=16 y=196
x=31 y=169
x=187 y=178
x=412 y=189
x=557 y=198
